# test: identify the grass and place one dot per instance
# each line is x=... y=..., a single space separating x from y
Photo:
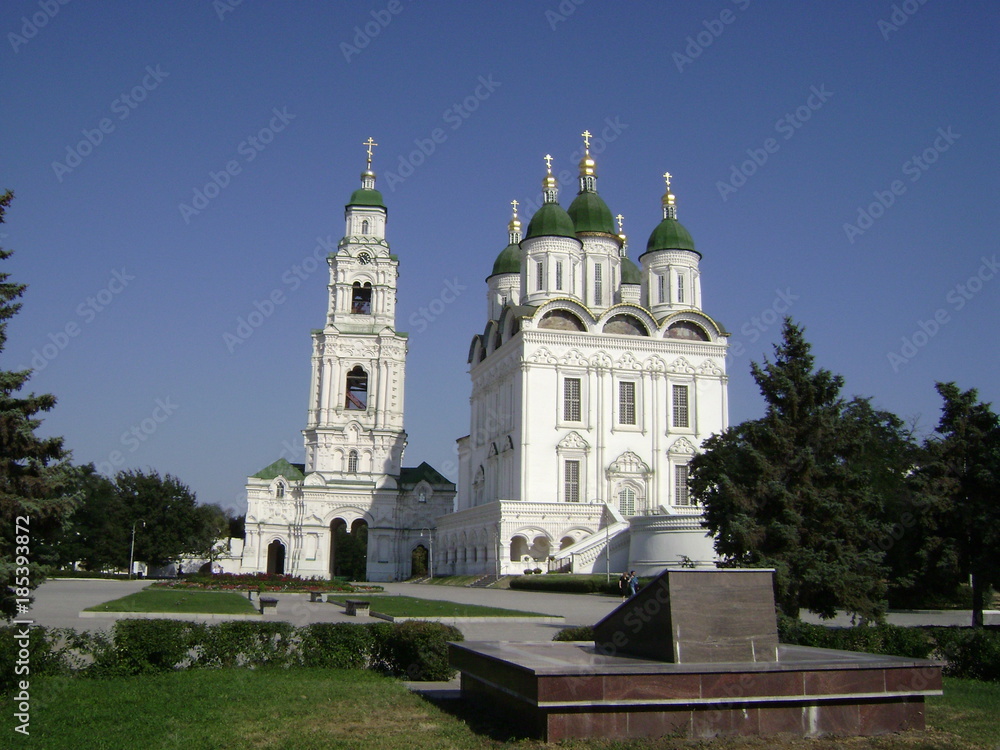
x=303 y=709
x=452 y=580
x=408 y=606
x=177 y=600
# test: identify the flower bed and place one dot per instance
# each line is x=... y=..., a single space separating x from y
x=264 y=582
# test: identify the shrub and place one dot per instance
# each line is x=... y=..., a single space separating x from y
x=142 y=646
x=888 y=640
x=579 y=633
x=380 y=656
x=567 y=583
x=247 y=644
x=420 y=650
x=973 y=654
x=336 y=645
x=42 y=657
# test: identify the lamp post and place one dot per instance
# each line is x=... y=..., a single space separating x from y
x=430 y=551
x=131 y=553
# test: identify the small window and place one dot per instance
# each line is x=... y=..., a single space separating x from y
x=361 y=299
x=540 y=272
x=571 y=478
x=661 y=282
x=571 y=400
x=626 y=501
x=357 y=389
x=681 y=416
x=352 y=462
x=598 y=284
x=279 y=490
x=364 y=227
x=680 y=288
x=559 y=275
x=682 y=494
x=626 y=402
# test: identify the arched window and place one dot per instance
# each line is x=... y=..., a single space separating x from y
x=357 y=389
x=364 y=227
x=361 y=298
x=352 y=462
x=279 y=490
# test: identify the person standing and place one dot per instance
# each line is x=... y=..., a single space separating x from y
x=633 y=584
x=623 y=586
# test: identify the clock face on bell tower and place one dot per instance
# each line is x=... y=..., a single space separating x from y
x=364 y=257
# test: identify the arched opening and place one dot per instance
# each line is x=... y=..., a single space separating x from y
x=566 y=541
x=418 y=562
x=279 y=490
x=539 y=548
x=361 y=298
x=357 y=389
x=349 y=549
x=352 y=462
x=338 y=529
x=364 y=227
x=518 y=548
x=276 y=558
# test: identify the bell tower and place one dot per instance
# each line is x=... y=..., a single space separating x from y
x=355 y=423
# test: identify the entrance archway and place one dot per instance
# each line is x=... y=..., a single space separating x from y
x=276 y=558
x=418 y=561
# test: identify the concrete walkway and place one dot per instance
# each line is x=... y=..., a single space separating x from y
x=58 y=603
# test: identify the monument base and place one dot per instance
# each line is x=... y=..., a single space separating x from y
x=571 y=690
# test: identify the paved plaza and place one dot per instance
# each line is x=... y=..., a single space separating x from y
x=59 y=602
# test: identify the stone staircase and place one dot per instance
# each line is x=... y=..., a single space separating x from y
x=484 y=581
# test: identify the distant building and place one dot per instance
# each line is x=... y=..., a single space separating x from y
x=352 y=483
x=594 y=383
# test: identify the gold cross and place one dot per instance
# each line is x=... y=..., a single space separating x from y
x=667 y=176
x=369 y=143
x=548 y=162
x=586 y=139
x=514 y=204
x=620 y=220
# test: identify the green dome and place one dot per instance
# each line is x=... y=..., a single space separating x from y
x=366 y=197
x=670 y=234
x=508 y=261
x=590 y=213
x=630 y=272
x=551 y=220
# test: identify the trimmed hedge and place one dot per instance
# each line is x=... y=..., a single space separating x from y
x=567 y=583
x=974 y=654
x=416 y=650
x=579 y=633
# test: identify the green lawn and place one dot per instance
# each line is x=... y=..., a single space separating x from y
x=303 y=709
x=178 y=600
x=408 y=606
x=452 y=580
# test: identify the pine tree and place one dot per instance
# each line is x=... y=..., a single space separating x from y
x=963 y=471
x=35 y=475
x=804 y=489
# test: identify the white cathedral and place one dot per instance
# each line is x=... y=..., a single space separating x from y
x=594 y=383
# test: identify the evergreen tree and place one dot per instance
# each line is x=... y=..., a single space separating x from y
x=97 y=533
x=804 y=489
x=963 y=471
x=35 y=475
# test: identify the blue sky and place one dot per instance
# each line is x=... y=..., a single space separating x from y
x=834 y=160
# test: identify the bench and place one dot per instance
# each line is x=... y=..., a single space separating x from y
x=315 y=596
x=266 y=602
x=356 y=607
x=250 y=593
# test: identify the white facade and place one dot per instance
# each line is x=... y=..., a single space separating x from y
x=353 y=480
x=593 y=385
